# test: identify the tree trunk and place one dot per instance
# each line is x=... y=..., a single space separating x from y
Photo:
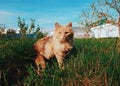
x=119 y=25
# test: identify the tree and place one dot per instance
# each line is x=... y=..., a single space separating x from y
x=0 y=34
x=32 y=25
x=39 y=33
x=92 y=16
x=2 y=28
x=115 y=4
x=37 y=30
x=11 y=31
x=98 y=11
x=29 y=29
x=23 y=27
x=86 y=18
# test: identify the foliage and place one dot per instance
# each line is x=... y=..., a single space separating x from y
x=95 y=63
x=32 y=25
x=11 y=31
x=29 y=29
x=23 y=27
x=115 y=4
x=100 y=10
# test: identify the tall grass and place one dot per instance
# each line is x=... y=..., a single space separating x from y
x=92 y=62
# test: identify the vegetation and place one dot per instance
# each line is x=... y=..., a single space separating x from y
x=29 y=29
x=100 y=10
x=26 y=31
x=115 y=4
x=93 y=62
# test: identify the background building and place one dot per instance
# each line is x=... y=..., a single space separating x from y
x=82 y=32
x=105 y=31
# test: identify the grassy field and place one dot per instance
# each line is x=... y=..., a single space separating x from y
x=92 y=62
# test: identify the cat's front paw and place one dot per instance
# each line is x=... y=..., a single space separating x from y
x=61 y=67
x=68 y=49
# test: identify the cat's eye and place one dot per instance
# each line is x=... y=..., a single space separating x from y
x=66 y=32
x=59 y=32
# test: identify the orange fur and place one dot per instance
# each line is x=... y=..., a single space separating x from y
x=57 y=45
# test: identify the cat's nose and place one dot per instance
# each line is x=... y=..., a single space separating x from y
x=63 y=37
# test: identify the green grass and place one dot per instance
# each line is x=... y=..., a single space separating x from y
x=93 y=62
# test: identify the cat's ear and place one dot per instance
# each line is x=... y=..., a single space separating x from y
x=57 y=25
x=70 y=24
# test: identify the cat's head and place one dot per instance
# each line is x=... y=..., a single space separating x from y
x=63 y=33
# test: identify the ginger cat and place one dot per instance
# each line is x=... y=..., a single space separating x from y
x=58 y=45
